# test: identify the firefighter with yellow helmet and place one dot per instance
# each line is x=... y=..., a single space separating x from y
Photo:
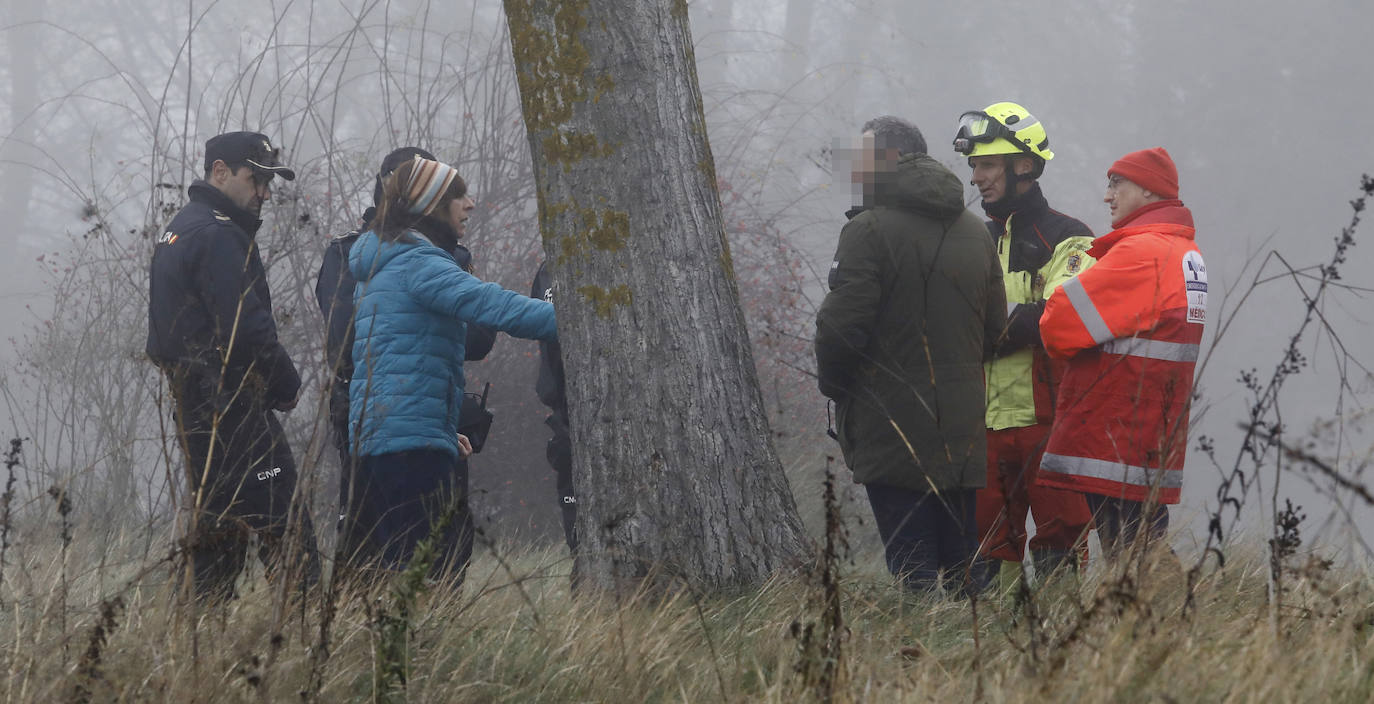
x=1039 y=248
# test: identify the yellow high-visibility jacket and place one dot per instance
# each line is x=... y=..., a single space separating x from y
x=1039 y=249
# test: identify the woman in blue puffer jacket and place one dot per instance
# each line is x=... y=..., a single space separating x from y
x=413 y=302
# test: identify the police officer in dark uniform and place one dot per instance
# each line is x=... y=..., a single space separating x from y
x=334 y=292
x=211 y=331
x=551 y=388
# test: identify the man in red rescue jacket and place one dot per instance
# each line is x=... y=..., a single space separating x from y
x=1130 y=328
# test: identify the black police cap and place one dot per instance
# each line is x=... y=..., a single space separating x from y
x=251 y=149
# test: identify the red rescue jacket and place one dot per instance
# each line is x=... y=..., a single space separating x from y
x=1130 y=328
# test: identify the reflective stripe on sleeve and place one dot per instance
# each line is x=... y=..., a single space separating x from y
x=1111 y=471
x=1087 y=312
x=1153 y=349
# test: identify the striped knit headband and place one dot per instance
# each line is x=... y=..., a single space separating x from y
x=428 y=182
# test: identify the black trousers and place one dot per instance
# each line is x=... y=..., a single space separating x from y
x=242 y=481
x=925 y=533
x=559 y=454
x=398 y=499
x=1120 y=521
x=348 y=548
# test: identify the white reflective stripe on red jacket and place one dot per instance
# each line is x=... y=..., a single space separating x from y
x=1112 y=471
x=1087 y=312
x=1162 y=350
x=1133 y=346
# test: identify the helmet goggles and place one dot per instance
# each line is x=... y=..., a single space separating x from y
x=977 y=127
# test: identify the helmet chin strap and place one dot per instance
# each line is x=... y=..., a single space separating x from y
x=1010 y=177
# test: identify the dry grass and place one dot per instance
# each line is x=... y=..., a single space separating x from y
x=514 y=634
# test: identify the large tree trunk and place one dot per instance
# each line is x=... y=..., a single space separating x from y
x=677 y=478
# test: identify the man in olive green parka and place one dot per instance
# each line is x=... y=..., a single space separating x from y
x=915 y=304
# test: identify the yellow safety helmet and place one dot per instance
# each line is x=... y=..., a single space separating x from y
x=1001 y=128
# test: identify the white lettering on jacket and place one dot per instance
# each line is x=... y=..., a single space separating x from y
x=1195 y=282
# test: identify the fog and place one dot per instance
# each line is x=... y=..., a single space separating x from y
x=1263 y=107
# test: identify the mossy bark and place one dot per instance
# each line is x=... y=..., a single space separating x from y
x=678 y=481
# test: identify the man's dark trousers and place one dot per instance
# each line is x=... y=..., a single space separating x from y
x=1119 y=522
x=559 y=454
x=242 y=478
x=348 y=546
x=924 y=532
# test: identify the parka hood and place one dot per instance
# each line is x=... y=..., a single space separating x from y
x=922 y=185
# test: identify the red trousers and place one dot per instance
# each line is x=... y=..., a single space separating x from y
x=1061 y=517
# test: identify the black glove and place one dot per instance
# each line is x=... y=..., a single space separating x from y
x=1023 y=329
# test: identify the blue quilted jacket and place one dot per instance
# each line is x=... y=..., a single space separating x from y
x=413 y=303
